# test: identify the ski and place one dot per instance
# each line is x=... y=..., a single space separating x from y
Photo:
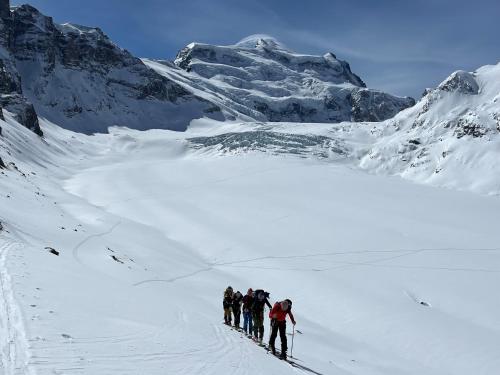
x=292 y=361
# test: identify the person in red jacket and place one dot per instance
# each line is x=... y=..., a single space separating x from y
x=278 y=323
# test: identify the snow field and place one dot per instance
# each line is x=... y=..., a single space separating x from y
x=386 y=277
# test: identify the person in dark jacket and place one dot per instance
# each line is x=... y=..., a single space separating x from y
x=278 y=323
x=260 y=300
x=227 y=303
x=247 y=312
x=236 y=307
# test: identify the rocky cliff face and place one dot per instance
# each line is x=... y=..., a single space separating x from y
x=76 y=77
x=4 y=8
x=11 y=93
x=263 y=80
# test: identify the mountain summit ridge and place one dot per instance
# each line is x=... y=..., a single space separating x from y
x=263 y=80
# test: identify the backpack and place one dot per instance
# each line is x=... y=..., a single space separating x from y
x=259 y=299
x=228 y=293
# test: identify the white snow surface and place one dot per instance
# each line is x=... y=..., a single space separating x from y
x=386 y=276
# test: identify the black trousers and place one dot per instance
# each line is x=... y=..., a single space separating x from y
x=281 y=327
x=237 y=317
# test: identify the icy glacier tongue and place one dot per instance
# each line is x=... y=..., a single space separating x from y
x=451 y=137
x=261 y=79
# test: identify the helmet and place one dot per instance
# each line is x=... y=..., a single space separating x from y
x=229 y=287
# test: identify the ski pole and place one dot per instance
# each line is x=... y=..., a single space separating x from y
x=293 y=335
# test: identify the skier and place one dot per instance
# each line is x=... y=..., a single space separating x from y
x=278 y=323
x=259 y=302
x=226 y=303
x=247 y=312
x=236 y=306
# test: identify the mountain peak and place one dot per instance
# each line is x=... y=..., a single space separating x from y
x=261 y=41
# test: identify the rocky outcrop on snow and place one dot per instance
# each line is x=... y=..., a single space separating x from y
x=23 y=111
x=261 y=79
x=77 y=77
x=460 y=81
x=451 y=137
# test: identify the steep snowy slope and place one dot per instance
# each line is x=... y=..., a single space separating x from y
x=450 y=138
x=261 y=79
x=387 y=277
x=75 y=76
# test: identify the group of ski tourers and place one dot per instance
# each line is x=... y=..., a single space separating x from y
x=252 y=305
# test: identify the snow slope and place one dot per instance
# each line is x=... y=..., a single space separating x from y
x=387 y=277
x=451 y=137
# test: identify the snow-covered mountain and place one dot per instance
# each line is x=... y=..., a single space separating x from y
x=451 y=137
x=263 y=80
x=78 y=78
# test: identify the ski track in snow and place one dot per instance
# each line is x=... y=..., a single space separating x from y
x=97 y=235
x=14 y=353
x=375 y=263
x=173 y=279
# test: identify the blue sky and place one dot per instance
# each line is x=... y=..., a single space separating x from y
x=400 y=46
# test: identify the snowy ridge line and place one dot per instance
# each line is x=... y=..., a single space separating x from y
x=14 y=348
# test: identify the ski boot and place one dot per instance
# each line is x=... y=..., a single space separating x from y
x=283 y=356
x=272 y=349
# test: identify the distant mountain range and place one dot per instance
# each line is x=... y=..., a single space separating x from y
x=76 y=77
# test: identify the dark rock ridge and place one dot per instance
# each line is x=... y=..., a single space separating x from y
x=262 y=79
x=76 y=77
x=4 y=8
x=11 y=92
